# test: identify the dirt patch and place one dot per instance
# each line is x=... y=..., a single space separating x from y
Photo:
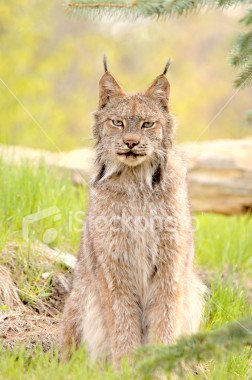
x=31 y=324
x=24 y=325
x=28 y=328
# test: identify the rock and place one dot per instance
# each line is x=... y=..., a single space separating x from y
x=46 y=275
x=60 y=290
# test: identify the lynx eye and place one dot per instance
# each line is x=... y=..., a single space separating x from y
x=117 y=123
x=147 y=124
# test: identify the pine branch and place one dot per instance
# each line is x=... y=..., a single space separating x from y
x=245 y=41
x=244 y=79
x=93 y=9
x=247 y=19
x=143 y=8
x=241 y=55
x=242 y=52
x=133 y=9
x=197 y=348
x=229 y=3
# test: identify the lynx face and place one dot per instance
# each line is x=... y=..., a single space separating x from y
x=132 y=129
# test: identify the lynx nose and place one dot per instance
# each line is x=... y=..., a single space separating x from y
x=131 y=141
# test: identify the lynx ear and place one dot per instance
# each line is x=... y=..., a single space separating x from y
x=109 y=88
x=160 y=90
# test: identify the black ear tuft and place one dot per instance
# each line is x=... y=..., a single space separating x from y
x=105 y=63
x=168 y=63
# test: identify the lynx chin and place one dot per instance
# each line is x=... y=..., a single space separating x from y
x=134 y=281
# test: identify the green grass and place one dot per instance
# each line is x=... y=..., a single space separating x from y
x=223 y=250
x=21 y=364
x=26 y=191
x=224 y=243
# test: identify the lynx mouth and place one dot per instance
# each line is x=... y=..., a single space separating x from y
x=131 y=154
x=131 y=158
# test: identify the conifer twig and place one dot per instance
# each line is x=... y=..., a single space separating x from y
x=121 y=9
x=76 y=4
x=194 y=349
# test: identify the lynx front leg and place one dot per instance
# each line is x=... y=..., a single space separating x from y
x=121 y=309
x=165 y=307
x=71 y=326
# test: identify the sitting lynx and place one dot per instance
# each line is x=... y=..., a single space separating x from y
x=134 y=281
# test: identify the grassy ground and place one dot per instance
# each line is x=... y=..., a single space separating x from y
x=223 y=254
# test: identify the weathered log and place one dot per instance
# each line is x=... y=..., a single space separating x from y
x=77 y=162
x=220 y=175
x=55 y=254
x=219 y=171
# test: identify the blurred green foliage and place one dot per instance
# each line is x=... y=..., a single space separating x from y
x=50 y=64
x=241 y=55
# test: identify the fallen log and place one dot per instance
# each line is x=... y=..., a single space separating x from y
x=219 y=171
x=220 y=175
x=77 y=162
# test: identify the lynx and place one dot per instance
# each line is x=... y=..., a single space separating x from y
x=134 y=281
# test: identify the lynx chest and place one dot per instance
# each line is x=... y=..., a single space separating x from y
x=130 y=231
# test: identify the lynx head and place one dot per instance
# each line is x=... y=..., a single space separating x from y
x=132 y=130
